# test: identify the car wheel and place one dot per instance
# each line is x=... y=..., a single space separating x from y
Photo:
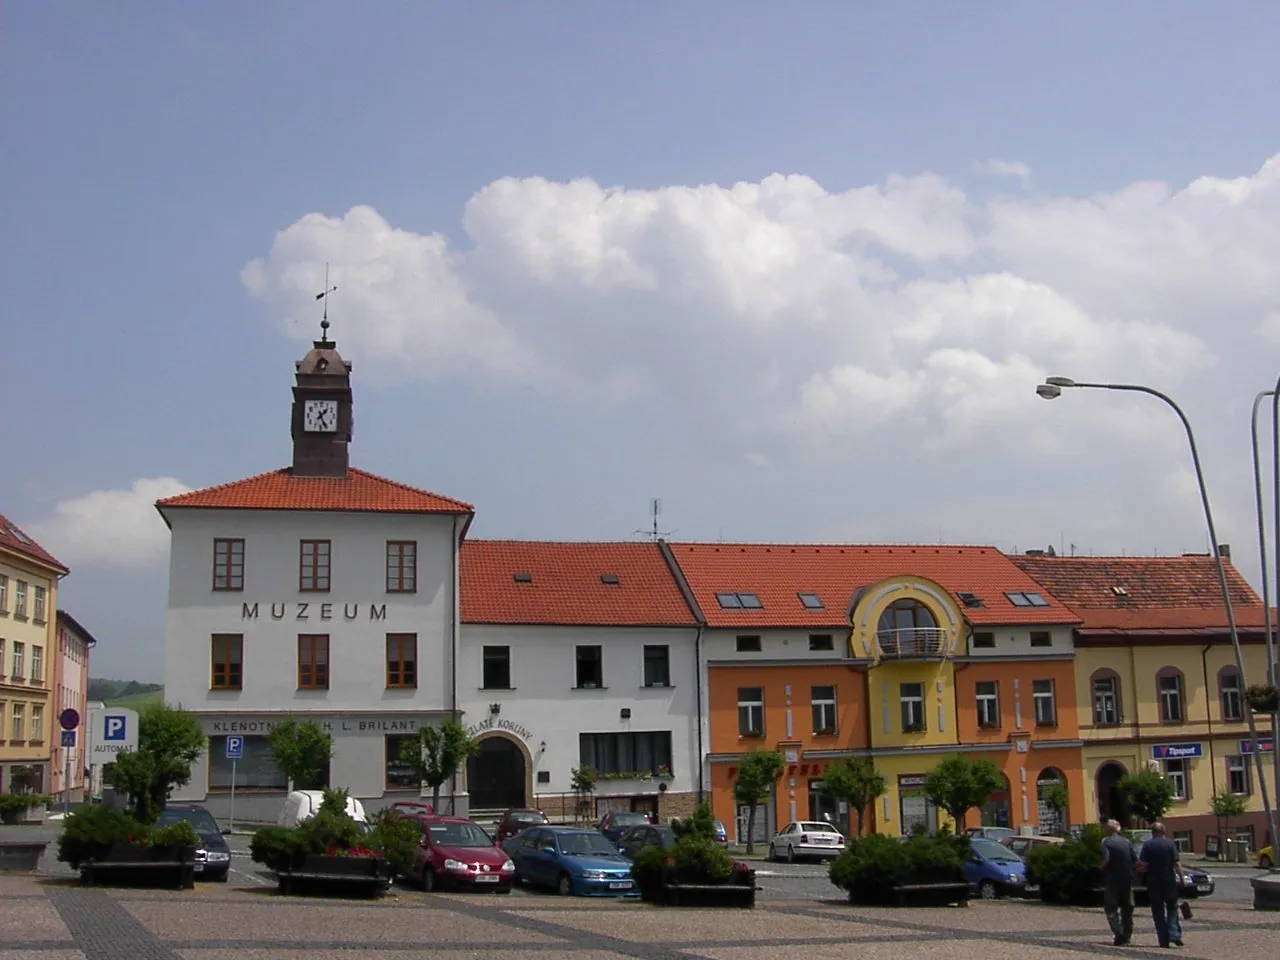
x=564 y=886
x=428 y=879
x=773 y=853
x=222 y=877
x=1264 y=862
x=503 y=890
x=791 y=854
x=987 y=890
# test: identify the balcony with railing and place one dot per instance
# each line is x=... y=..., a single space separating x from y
x=913 y=643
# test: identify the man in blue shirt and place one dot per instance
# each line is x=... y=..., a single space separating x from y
x=1117 y=882
x=1159 y=861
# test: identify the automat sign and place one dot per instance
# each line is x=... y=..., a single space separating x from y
x=111 y=730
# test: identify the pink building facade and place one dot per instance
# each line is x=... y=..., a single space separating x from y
x=70 y=689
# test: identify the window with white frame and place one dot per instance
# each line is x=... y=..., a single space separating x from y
x=20 y=599
x=1229 y=687
x=1169 y=687
x=36 y=732
x=1106 y=701
x=4 y=595
x=1238 y=775
x=751 y=711
x=1175 y=771
x=911 y=699
x=1046 y=707
x=37 y=664
x=38 y=613
x=19 y=662
x=823 y=700
x=988 y=694
x=18 y=723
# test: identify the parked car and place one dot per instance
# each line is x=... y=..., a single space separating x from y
x=572 y=861
x=998 y=834
x=993 y=870
x=517 y=819
x=613 y=823
x=635 y=839
x=722 y=835
x=213 y=856
x=806 y=838
x=1022 y=845
x=455 y=853
x=302 y=805
x=1195 y=883
x=412 y=808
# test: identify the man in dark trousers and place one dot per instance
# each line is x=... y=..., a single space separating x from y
x=1159 y=861
x=1118 y=859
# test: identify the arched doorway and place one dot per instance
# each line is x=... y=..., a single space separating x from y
x=996 y=811
x=1053 y=822
x=497 y=775
x=1111 y=805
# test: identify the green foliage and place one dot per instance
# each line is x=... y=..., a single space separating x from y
x=278 y=847
x=700 y=825
x=757 y=773
x=302 y=750
x=395 y=839
x=1068 y=872
x=1055 y=796
x=694 y=858
x=329 y=831
x=1147 y=794
x=89 y=831
x=582 y=780
x=646 y=871
x=959 y=784
x=1227 y=804
x=437 y=755
x=23 y=778
x=872 y=866
x=856 y=781
x=178 y=833
x=169 y=741
x=13 y=805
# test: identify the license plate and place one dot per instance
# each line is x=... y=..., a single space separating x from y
x=1033 y=888
x=487 y=878
x=199 y=867
x=620 y=885
x=1202 y=887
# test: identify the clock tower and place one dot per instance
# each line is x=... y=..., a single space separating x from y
x=322 y=419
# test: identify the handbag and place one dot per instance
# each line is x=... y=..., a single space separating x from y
x=1184 y=908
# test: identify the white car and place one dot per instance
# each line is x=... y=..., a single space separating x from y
x=302 y=805
x=806 y=838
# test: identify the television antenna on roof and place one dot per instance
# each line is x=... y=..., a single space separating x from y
x=653 y=533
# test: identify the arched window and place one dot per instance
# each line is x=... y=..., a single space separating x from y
x=1107 y=707
x=1170 y=689
x=1051 y=810
x=907 y=628
x=1230 y=694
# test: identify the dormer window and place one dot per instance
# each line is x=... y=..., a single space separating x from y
x=1023 y=598
x=810 y=601
x=522 y=577
x=739 y=601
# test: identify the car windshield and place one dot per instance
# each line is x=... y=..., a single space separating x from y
x=459 y=835
x=666 y=837
x=200 y=820
x=817 y=827
x=993 y=851
x=629 y=819
x=528 y=816
x=585 y=844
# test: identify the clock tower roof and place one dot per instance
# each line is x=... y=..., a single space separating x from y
x=322 y=421
x=323 y=360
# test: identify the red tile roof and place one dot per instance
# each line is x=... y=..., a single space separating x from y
x=776 y=573
x=14 y=540
x=566 y=586
x=1159 y=593
x=281 y=490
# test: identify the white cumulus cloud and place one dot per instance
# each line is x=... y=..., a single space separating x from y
x=110 y=527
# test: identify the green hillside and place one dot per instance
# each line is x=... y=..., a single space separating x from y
x=136 y=700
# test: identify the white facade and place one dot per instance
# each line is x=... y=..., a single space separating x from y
x=545 y=712
x=270 y=612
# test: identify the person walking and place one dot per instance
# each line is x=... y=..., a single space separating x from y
x=1159 y=861
x=1118 y=859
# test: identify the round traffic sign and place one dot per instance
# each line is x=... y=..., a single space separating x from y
x=69 y=719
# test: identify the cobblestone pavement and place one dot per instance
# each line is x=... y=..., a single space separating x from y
x=54 y=919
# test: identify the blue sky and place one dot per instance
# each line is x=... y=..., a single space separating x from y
x=844 y=354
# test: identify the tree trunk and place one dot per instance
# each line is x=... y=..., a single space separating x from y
x=435 y=798
x=861 y=813
x=751 y=827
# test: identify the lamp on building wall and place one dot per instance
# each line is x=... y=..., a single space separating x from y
x=495 y=708
x=626 y=713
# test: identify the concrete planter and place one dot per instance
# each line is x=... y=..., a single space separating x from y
x=133 y=864
x=1266 y=892
x=21 y=856
x=367 y=875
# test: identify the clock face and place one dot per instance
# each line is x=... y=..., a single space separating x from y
x=320 y=416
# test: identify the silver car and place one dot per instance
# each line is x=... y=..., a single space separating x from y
x=806 y=838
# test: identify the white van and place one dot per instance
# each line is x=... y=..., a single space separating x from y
x=303 y=804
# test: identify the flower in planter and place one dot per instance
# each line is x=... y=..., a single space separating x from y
x=1263 y=698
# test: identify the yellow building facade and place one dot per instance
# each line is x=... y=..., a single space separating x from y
x=28 y=644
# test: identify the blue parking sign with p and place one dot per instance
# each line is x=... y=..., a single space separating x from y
x=113 y=727
x=235 y=748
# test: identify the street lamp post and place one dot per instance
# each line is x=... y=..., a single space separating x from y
x=1262 y=553
x=1051 y=389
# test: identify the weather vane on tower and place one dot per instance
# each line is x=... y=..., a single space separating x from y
x=324 y=322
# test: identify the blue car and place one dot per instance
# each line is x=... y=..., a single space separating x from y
x=572 y=861
x=993 y=870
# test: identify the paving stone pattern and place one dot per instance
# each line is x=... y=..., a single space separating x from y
x=50 y=919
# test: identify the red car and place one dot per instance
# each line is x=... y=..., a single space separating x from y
x=516 y=820
x=457 y=854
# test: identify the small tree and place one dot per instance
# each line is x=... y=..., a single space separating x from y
x=855 y=781
x=169 y=741
x=1147 y=794
x=757 y=773
x=437 y=755
x=959 y=784
x=582 y=780
x=302 y=751
x=1225 y=806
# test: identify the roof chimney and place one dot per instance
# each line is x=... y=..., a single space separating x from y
x=1224 y=551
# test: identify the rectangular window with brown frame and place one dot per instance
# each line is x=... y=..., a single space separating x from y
x=228 y=661
x=313 y=661
x=402 y=661
x=228 y=564
x=402 y=566
x=313 y=566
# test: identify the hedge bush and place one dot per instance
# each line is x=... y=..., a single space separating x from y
x=13 y=805
x=88 y=833
x=872 y=866
x=1068 y=872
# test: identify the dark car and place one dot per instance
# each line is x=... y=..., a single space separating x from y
x=515 y=820
x=1195 y=883
x=615 y=822
x=635 y=839
x=457 y=854
x=213 y=856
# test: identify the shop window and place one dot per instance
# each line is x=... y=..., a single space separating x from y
x=255 y=770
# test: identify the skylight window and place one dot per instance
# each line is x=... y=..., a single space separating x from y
x=970 y=599
x=18 y=535
x=739 y=601
x=811 y=601
x=1025 y=599
x=610 y=578
x=522 y=577
x=1120 y=591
